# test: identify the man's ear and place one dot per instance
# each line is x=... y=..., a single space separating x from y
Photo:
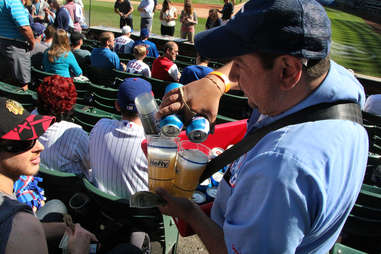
x=117 y=106
x=290 y=71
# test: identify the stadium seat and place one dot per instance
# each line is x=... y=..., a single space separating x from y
x=224 y=119
x=26 y=98
x=38 y=76
x=186 y=59
x=234 y=106
x=339 y=248
x=104 y=91
x=90 y=115
x=83 y=92
x=158 y=86
x=114 y=218
x=123 y=75
x=59 y=185
x=101 y=76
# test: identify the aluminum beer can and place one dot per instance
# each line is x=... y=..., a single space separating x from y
x=198 y=197
x=216 y=178
x=198 y=129
x=217 y=151
x=171 y=125
x=172 y=86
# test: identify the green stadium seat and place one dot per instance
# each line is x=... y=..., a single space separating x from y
x=339 y=248
x=26 y=98
x=224 y=119
x=114 y=213
x=59 y=185
x=123 y=75
x=186 y=59
x=158 y=86
x=39 y=75
x=234 y=106
x=91 y=115
x=104 y=91
x=101 y=76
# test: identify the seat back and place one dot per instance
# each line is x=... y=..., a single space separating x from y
x=91 y=115
x=26 y=98
x=116 y=211
x=158 y=86
x=101 y=76
x=339 y=248
x=234 y=106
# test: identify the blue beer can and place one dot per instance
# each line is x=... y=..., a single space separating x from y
x=172 y=86
x=216 y=178
x=171 y=125
x=198 y=197
x=198 y=130
x=211 y=193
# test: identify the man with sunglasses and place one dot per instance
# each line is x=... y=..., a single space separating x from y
x=20 y=230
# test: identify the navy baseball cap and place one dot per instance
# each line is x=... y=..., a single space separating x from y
x=144 y=33
x=295 y=27
x=37 y=28
x=129 y=89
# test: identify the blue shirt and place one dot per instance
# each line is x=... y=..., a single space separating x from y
x=62 y=65
x=151 y=47
x=12 y=16
x=293 y=191
x=62 y=19
x=105 y=58
x=194 y=72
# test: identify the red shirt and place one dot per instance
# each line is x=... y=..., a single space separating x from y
x=160 y=68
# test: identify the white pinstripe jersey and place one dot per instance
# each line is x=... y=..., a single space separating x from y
x=119 y=166
x=66 y=147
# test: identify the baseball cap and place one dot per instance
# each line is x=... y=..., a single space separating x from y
x=18 y=124
x=295 y=27
x=126 y=30
x=76 y=36
x=144 y=33
x=129 y=89
x=37 y=28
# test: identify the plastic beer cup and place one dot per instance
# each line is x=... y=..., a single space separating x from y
x=162 y=153
x=191 y=162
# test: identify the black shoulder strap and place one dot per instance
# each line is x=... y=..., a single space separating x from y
x=339 y=110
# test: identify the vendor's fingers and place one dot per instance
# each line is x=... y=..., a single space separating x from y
x=170 y=97
x=170 y=109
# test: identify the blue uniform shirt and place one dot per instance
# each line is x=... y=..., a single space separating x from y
x=105 y=58
x=151 y=47
x=293 y=191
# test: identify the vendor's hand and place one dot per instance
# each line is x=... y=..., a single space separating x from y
x=79 y=240
x=176 y=207
x=202 y=97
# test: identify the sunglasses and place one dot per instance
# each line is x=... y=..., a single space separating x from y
x=13 y=146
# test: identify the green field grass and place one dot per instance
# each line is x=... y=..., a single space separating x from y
x=354 y=44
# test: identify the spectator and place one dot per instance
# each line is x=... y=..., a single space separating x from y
x=49 y=35
x=72 y=7
x=62 y=19
x=119 y=166
x=20 y=230
x=15 y=60
x=38 y=10
x=151 y=46
x=195 y=72
x=137 y=66
x=124 y=8
x=146 y=9
x=81 y=55
x=59 y=59
x=104 y=57
x=293 y=191
x=188 y=19
x=226 y=11
x=39 y=48
x=163 y=67
x=373 y=104
x=213 y=20
x=124 y=44
x=168 y=16
x=66 y=143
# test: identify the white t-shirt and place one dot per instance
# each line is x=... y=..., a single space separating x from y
x=171 y=14
x=147 y=5
x=138 y=67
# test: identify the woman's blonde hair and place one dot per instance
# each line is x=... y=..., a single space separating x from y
x=60 y=45
x=188 y=3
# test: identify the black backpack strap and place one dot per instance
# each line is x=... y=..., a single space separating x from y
x=324 y=111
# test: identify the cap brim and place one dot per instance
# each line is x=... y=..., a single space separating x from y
x=31 y=128
x=220 y=42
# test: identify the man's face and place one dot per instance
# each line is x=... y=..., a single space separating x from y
x=172 y=53
x=111 y=42
x=23 y=163
x=257 y=83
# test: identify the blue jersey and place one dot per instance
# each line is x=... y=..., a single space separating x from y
x=151 y=47
x=194 y=72
x=293 y=191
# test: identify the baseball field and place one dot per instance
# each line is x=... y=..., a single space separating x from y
x=355 y=44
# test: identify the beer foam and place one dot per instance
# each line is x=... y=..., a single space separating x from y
x=192 y=155
x=161 y=153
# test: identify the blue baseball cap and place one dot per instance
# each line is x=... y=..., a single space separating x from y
x=129 y=89
x=37 y=28
x=295 y=27
x=144 y=33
